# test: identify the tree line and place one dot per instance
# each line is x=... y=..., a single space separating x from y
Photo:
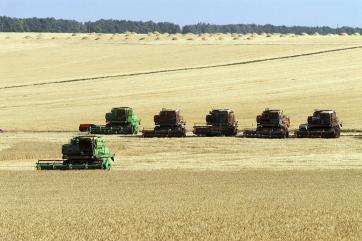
x=53 y=25
x=268 y=28
x=8 y=24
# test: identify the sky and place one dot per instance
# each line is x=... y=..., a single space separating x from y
x=331 y=13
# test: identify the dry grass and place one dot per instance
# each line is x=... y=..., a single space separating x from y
x=176 y=205
x=157 y=38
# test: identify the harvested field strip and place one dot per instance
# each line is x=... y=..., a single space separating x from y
x=183 y=69
x=219 y=153
x=31 y=150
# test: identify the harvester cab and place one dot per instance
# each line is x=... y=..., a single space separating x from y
x=121 y=120
x=119 y=115
x=272 y=118
x=221 y=117
x=168 y=123
x=322 y=124
x=168 y=117
x=270 y=124
x=219 y=122
x=82 y=152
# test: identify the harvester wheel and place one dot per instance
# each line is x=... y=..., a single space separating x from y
x=184 y=133
x=235 y=131
x=107 y=165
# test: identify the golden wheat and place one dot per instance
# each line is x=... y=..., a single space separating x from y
x=176 y=205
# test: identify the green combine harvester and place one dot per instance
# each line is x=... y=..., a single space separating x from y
x=120 y=120
x=83 y=152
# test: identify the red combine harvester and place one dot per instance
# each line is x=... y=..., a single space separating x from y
x=168 y=123
x=322 y=124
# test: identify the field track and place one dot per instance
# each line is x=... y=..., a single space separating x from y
x=183 y=69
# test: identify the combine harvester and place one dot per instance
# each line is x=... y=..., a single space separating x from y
x=168 y=123
x=120 y=120
x=83 y=152
x=322 y=124
x=219 y=122
x=270 y=124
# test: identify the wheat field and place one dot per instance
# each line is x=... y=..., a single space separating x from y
x=189 y=188
x=181 y=205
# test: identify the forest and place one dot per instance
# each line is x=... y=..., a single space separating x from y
x=9 y=24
